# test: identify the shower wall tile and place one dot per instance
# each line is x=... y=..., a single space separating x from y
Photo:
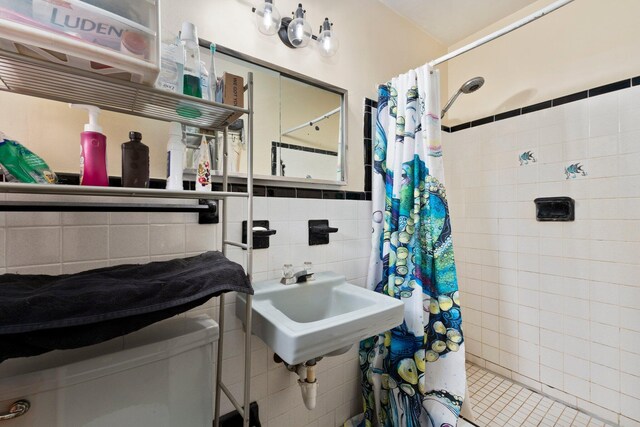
x=567 y=294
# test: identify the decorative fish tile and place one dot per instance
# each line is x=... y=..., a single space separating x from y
x=526 y=157
x=574 y=170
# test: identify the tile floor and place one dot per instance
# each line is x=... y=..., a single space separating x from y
x=498 y=401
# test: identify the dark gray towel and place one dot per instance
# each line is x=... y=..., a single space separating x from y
x=40 y=313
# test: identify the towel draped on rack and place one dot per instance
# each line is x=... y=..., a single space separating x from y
x=40 y=313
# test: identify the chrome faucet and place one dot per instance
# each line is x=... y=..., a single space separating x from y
x=289 y=276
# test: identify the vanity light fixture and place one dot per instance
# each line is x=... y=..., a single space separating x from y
x=295 y=32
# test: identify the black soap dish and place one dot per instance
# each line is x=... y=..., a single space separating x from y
x=555 y=209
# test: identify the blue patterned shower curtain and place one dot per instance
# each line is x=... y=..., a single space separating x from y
x=413 y=375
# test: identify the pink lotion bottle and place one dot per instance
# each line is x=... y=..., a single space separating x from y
x=93 y=150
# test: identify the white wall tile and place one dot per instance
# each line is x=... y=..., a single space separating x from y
x=605 y=376
x=629 y=120
x=128 y=241
x=85 y=243
x=607 y=335
x=32 y=219
x=576 y=386
x=605 y=397
x=200 y=238
x=33 y=246
x=128 y=218
x=77 y=267
x=604 y=355
x=52 y=269
x=630 y=406
x=3 y=236
x=629 y=340
x=551 y=377
x=574 y=284
x=529 y=333
x=166 y=239
x=576 y=366
x=551 y=358
x=84 y=218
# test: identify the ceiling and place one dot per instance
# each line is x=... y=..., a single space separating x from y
x=450 y=21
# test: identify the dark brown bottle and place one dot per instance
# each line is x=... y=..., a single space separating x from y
x=135 y=162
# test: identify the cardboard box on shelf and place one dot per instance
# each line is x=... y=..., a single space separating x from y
x=233 y=93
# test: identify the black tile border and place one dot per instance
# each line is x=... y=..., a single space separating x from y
x=537 y=107
x=303 y=148
x=308 y=193
x=355 y=195
x=462 y=126
x=333 y=195
x=281 y=192
x=508 y=114
x=482 y=121
x=367 y=132
x=258 y=190
x=600 y=90
x=611 y=87
x=578 y=96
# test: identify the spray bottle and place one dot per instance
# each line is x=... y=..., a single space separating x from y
x=203 y=174
x=175 y=157
x=93 y=150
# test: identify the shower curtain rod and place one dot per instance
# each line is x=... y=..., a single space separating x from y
x=522 y=22
x=312 y=122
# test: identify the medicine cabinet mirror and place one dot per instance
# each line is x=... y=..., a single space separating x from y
x=299 y=123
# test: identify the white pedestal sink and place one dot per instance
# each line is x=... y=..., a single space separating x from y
x=323 y=317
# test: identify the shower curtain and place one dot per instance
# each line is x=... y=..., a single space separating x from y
x=413 y=375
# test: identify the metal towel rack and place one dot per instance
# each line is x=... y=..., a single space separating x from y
x=209 y=206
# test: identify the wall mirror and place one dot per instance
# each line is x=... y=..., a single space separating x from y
x=299 y=123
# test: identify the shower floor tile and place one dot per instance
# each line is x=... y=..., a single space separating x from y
x=498 y=402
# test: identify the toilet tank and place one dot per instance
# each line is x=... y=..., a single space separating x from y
x=158 y=376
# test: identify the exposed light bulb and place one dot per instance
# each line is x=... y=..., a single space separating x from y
x=327 y=40
x=326 y=43
x=268 y=18
x=299 y=30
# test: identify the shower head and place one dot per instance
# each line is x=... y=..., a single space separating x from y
x=472 y=85
x=469 y=86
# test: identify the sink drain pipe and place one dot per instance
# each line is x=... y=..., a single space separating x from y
x=306 y=379
x=309 y=386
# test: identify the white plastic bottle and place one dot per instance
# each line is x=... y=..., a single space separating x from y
x=171 y=66
x=175 y=157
